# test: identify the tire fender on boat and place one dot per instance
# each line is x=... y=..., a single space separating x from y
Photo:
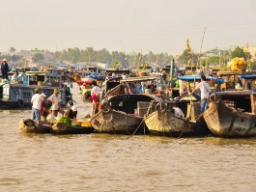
x=161 y=107
x=20 y=103
x=215 y=98
x=105 y=108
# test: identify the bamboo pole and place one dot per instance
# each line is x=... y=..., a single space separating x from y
x=198 y=60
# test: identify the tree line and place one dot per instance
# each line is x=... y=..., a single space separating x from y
x=122 y=59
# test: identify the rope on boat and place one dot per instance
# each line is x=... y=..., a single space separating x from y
x=199 y=116
x=147 y=113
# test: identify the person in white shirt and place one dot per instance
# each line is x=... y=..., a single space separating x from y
x=178 y=112
x=55 y=100
x=205 y=92
x=36 y=105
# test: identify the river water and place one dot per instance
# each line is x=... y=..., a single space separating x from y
x=102 y=162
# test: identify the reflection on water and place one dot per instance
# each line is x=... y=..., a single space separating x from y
x=102 y=162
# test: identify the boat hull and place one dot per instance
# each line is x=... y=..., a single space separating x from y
x=30 y=126
x=61 y=128
x=115 y=122
x=166 y=124
x=224 y=121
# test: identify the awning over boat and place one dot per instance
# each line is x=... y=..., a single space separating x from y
x=252 y=76
x=138 y=79
x=198 y=78
x=236 y=93
x=41 y=73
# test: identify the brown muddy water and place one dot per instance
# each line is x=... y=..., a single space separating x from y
x=102 y=162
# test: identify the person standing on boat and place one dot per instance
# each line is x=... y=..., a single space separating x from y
x=205 y=92
x=55 y=100
x=95 y=95
x=44 y=111
x=36 y=105
x=4 y=69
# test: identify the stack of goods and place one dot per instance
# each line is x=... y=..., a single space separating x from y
x=85 y=122
x=66 y=120
x=76 y=77
x=237 y=64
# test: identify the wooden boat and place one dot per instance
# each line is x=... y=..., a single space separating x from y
x=19 y=95
x=62 y=128
x=120 y=117
x=30 y=126
x=163 y=122
x=224 y=120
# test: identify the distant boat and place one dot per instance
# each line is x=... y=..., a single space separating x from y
x=18 y=93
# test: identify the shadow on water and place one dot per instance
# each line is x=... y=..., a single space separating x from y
x=110 y=136
x=47 y=135
x=230 y=141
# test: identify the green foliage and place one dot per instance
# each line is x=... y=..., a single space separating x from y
x=66 y=120
x=37 y=57
x=252 y=65
x=15 y=58
x=204 y=63
x=184 y=57
x=213 y=60
x=238 y=52
x=12 y=49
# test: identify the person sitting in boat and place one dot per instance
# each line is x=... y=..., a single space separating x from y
x=218 y=87
x=55 y=100
x=113 y=75
x=131 y=88
x=71 y=112
x=15 y=75
x=177 y=112
x=123 y=76
x=47 y=79
x=138 y=87
x=36 y=105
x=152 y=86
x=143 y=87
x=44 y=110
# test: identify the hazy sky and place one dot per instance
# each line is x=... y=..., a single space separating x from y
x=127 y=25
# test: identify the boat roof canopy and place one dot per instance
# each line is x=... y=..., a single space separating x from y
x=225 y=73
x=135 y=79
x=41 y=73
x=198 y=78
x=236 y=93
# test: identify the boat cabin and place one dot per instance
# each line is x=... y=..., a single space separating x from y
x=190 y=81
x=114 y=85
x=43 y=79
x=118 y=72
x=244 y=101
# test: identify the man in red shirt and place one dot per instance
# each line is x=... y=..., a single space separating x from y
x=44 y=111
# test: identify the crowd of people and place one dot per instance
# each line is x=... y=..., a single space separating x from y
x=39 y=108
x=40 y=111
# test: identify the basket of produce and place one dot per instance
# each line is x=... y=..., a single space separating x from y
x=63 y=123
